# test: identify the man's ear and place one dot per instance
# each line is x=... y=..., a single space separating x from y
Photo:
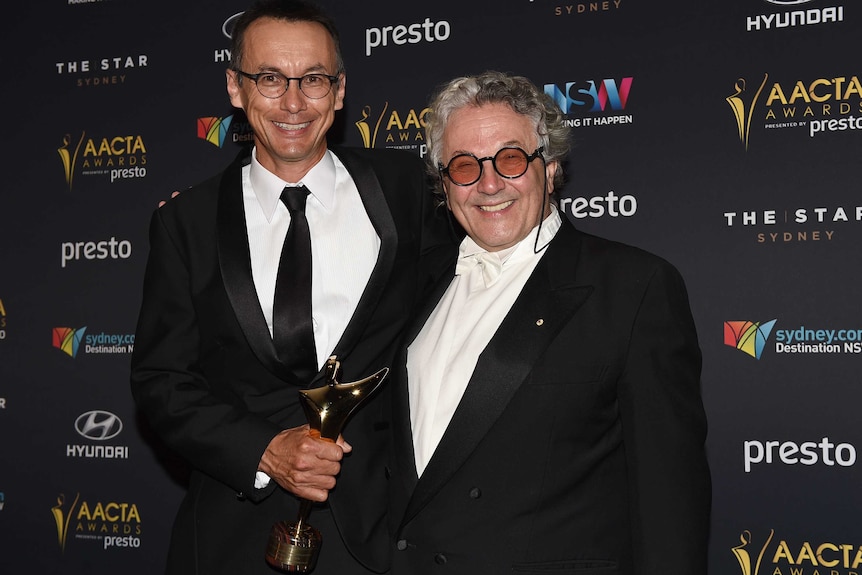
x=340 y=91
x=550 y=172
x=234 y=90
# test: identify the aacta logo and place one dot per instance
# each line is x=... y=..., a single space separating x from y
x=393 y=129
x=214 y=130
x=119 y=157
x=2 y=321
x=68 y=339
x=758 y=556
x=62 y=517
x=115 y=523
x=743 y=102
x=748 y=337
x=69 y=157
x=115 y=151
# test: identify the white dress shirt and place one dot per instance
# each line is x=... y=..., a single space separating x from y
x=442 y=358
x=344 y=246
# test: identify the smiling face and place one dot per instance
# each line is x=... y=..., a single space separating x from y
x=290 y=131
x=496 y=212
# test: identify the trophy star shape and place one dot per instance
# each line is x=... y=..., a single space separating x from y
x=293 y=547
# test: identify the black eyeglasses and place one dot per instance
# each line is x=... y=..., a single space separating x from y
x=274 y=84
x=510 y=162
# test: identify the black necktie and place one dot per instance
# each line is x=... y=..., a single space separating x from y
x=293 y=334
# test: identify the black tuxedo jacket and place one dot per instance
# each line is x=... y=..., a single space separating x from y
x=578 y=446
x=206 y=375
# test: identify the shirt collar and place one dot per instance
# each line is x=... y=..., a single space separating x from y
x=267 y=187
x=546 y=232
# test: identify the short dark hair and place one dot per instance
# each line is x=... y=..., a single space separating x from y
x=290 y=10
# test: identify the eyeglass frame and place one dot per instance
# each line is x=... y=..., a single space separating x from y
x=444 y=170
x=254 y=78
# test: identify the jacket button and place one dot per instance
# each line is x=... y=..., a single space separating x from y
x=401 y=545
x=240 y=496
x=440 y=559
x=475 y=493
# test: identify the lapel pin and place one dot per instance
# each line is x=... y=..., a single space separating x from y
x=540 y=322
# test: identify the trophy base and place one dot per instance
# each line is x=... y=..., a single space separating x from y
x=293 y=548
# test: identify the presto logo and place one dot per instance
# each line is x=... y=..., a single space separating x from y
x=790 y=453
x=102 y=250
x=401 y=34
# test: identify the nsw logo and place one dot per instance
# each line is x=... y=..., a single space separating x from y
x=591 y=96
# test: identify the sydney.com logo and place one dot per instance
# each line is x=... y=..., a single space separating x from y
x=72 y=340
x=751 y=337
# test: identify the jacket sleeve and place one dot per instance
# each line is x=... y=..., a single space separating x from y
x=214 y=434
x=664 y=426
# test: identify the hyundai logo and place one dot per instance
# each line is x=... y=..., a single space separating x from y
x=228 y=26
x=98 y=425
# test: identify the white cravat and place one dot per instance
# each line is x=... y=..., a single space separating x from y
x=486 y=266
x=442 y=358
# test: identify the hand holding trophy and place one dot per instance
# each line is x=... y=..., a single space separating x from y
x=293 y=547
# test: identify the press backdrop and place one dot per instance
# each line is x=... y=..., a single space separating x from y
x=724 y=136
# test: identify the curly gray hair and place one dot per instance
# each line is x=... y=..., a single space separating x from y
x=492 y=87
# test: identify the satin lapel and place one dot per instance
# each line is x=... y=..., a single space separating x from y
x=403 y=433
x=547 y=303
x=381 y=218
x=235 y=264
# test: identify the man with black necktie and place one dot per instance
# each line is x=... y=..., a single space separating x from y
x=255 y=277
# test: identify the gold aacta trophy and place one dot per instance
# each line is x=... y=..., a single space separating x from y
x=293 y=547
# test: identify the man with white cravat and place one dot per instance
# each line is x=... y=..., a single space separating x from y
x=548 y=417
